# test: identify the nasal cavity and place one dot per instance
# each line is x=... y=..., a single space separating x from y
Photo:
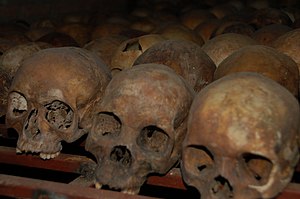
x=222 y=187
x=121 y=155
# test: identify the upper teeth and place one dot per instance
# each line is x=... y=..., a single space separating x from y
x=42 y=155
x=46 y=156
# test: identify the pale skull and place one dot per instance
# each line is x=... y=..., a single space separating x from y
x=139 y=126
x=50 y=94
x=241 y=140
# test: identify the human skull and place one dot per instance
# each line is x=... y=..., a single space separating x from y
x=186 y=58
x=221 y=46
x=206 y=29
x=139 y=125
x=241 y=138
x=267 y=34
x=49 y=95
x=234 y=26
x=289 y=44
x=267 y=16
x=177 y=31
x=264 y=60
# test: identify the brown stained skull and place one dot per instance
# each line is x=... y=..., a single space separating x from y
x=289 y=44
x=176 y=31
x=267 y=16
x=186 y=58
x=221 y=46
x=267 y=34
x=241 y=140
x=50 y=94
x=139 y=126
x=264 y=60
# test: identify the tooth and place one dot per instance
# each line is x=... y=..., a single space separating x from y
x=43 y=155
x=48 y=156
x=98 y=185
x=57 y=153
x=18 y=150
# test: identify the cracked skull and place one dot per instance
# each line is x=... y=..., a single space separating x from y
x=139 y=126
x=241 y=140
x=50 y=94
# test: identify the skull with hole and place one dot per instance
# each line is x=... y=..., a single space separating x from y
x=49 y=95
x=242 y=136
x=139 y=126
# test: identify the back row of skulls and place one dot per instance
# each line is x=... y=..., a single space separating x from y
x=234 y=137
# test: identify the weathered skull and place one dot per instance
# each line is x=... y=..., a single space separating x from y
x=267 y=34
x=177 y=31
x=221 y=46
x=139 y=126
x=264 y=60
x=234 y=26
x=206 y=29
x=289 y=44
x=267 y=16
x=186 y=58
x=49 y=95
x=241 y=140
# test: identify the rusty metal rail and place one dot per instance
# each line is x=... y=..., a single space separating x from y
x=81 y=185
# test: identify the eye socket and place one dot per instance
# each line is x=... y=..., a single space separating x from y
x=197 y=159
x=59 y=114
x=153 y=139
x=17 y=104
x=259 y=167
x=107 y=125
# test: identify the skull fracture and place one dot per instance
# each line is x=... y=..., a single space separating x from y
x=49 y=95
x=241 y=140
x=139 y=126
